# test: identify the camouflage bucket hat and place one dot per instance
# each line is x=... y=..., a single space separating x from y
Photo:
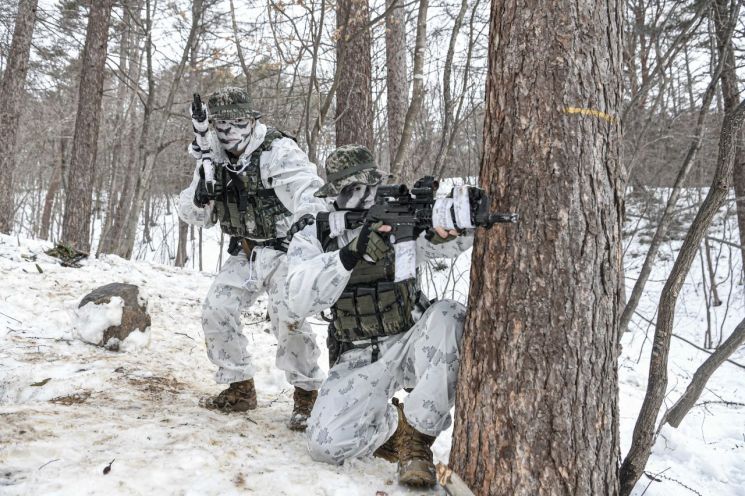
x=346 y=165
x=230 y=103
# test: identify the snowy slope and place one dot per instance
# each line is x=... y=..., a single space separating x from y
x=67 y=408
x=140 y=409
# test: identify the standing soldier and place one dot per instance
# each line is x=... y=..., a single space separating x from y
x=390 y=337
x=251 y=179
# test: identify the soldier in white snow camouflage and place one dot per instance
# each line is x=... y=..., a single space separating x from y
x=390 y=336
x=254 y=181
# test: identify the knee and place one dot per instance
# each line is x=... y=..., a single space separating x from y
x=448 y=315
x=217 y=314
x=321 y=445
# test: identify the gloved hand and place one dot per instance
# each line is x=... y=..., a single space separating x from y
x=303 y=222
x=438 y=235
x=368 y=245
x=468 y=203
x=199 y=116
x=201 y=196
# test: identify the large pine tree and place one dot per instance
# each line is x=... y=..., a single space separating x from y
x=537 y=400
x=11 y=98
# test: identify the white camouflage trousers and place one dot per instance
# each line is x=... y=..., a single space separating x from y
x=237 y=286
x=353 y=416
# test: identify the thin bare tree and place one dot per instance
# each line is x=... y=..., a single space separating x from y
x=76 y=224
x=397 y=88
x=645 y=428
x=354 y=107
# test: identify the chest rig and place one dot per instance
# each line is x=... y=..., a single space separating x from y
x=372 y=305
x=243 y=206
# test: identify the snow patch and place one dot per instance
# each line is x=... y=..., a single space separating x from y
x=136 y=340
x=92 y=320
x=143 y=297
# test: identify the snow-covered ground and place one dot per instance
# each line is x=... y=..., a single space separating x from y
x=67 y=408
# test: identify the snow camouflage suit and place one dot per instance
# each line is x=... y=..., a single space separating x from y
x=242 y=279
x=352 y=416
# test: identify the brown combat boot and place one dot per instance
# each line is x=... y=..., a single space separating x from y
x=303 y=404
x=388 y=451
x=416 y=467
x=239 y=397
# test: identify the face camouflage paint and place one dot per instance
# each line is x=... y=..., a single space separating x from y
x=356 y=195
x=234 y=134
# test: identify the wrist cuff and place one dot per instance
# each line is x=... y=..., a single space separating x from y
x=348 y=258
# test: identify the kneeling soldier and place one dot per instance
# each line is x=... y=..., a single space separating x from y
x=390 y=337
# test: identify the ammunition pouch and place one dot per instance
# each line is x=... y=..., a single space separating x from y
x=243 y=206
x=375 y=310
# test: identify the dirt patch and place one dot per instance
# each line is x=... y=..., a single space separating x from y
x=155 y=386
x=72 y=399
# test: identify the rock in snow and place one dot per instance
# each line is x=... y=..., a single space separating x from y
x=114 y=316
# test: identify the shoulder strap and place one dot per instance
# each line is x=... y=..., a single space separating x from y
x=272 y=135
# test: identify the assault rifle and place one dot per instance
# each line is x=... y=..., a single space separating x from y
x=409 y=212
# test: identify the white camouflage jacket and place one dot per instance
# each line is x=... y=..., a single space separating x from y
x=284 y=167
x=315 y=280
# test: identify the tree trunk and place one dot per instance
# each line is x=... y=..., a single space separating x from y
x=398 y=167
x=725 y=12
x=118 y=164
x=182 y=254
x=645 y=428
x=668 y=214
x=448 y=101
x=354 y=107
x=54 y=185
x=680 y=409
x=11 y=96
x=149 y=156
x=131 y=151
x=537 y=398
x=397 y=94
x=77 y=220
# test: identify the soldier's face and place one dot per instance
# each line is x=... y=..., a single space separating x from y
x=234 y=134
x=356 y=195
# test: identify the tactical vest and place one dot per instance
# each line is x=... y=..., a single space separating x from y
x=243 y=206
x=372 y=305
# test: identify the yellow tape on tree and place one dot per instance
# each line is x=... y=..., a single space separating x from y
x=590 y=113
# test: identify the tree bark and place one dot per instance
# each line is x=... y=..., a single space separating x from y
x=537 y=396
x=54 y=185
x=354 y=107
x=644 y=430
x=11 y=96
x=76 y=224
x=725 y=12
x=397 y=88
